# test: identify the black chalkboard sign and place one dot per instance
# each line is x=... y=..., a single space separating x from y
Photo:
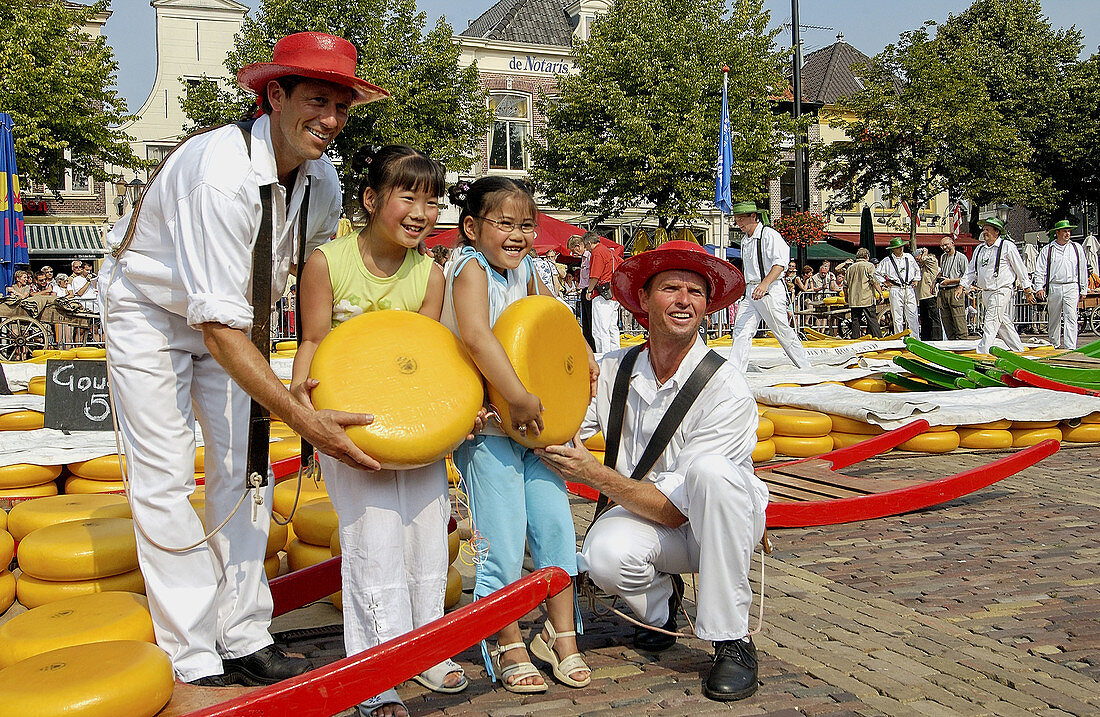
x=76 y=396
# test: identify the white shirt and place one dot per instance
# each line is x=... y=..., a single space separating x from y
x=1067 y=266
x=953 y=266
x=773 y=250
x=586 y=268
x=902 y=270
x=982 y=267
x=722 y=421
x=192 y=252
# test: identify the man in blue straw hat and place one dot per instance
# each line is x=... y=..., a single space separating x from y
x=995 y=268
x=765 y=256
x=1061 y=275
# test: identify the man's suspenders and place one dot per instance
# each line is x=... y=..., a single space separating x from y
x=672 y=419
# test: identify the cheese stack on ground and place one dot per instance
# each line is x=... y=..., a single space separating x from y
x=286 y=492
x=1084 y=430
x=989 y=435
x=98 y=475
x=1028 y=433
x=314 y=524
x=800 y=433
x=31 y=515
x=78 y=558
x=765 y=446
x=28 y=480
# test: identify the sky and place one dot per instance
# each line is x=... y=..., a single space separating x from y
x=869 y=25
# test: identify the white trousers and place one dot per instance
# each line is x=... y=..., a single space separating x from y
x=998 y=321
x=393 y=541
x=605 y=325
x=1062 y=315
x=772 y=310
x=212 y=601
x=632 y=557
x=903 y=309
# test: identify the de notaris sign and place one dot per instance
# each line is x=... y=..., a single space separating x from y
x=530 y=63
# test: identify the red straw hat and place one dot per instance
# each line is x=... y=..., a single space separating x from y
x=723 y=279
x=314 y=55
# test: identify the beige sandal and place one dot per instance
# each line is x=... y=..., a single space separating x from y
x=510 y=675
x=566 y=666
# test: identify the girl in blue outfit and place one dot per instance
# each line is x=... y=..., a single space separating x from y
x=513 y=496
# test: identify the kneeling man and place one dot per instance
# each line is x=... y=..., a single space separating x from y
x=691 y=502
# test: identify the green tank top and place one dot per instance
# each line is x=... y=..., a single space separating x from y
x=355 y=290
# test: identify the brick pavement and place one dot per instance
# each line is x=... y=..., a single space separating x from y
x=989 y=604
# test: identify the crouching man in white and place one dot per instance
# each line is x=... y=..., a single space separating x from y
x=692 y=502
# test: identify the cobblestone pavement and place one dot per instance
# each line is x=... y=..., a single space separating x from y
x=989 y=604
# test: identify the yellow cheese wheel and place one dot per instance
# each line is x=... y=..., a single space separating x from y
x=7 y=549
x=37 y=385
x=868 y=384
x=544 y=343
x=21 y=475
x=999 y=425
x=765 y=429
x=940 y=429
x=101 y=468
x=90 y=352
x=279 y=429
x=315 y=522
x=843 y=424
x=764 y=451
x=1024 y=437
x=802 y=446
x=454 y=588
x=932 y=442
x=80 y=550
x=799 y=422
x=272 y=565
x=1085 y=433
x=75 y=485
x=33 y=592
x=844 y=440
x=301 y=555
x=3 y=519
x=22 y=421
x=99 y=617
x=31 y=491
x=200 y=459
x=286 y=345
x=34 y=514
x=284 y=493
x=289 y=447
x=411 y=373
x=984 y=438
x=595 y=442
x=1093 y=417
x=334 y=544
x=102 y=679
x=7 y=590
x=1032 y=425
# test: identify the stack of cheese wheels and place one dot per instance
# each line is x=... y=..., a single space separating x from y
x=990 y=435
x=849 y=431
x=98 y=475
x=314 y=524
x=544 y=344
x=78 y=558
x=120 y=677
x=937 y=439
x=22 y=421
x=7 y=580
x=1028 y=433
x=31 y=515
x=765 y=446
x=276 y=534
x=411 y=373
x=26 y=480
x=800 y=433
x=99 y=617
x=1084 y=430
x=454 y=578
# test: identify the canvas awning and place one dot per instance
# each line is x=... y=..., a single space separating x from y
x=79 y=241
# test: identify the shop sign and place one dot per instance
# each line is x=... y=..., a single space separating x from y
x=530 y=63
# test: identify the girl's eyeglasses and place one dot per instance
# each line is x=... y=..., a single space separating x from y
x=507 y=227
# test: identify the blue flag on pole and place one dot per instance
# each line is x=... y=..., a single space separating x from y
x=722 y=198
x=13 y=242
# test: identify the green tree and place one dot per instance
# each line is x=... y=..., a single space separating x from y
x=58 y=84
x=1079 y=143
x=1026 y=66
x=921 y=126
x=636 y=124
x=435 y=105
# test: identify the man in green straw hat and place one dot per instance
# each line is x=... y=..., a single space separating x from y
x=901 y=274
x=764 y=256
x=1061 y=275
x=995 y=268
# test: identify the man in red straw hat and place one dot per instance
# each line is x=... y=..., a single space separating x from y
x=193 y=267
x=680 y=421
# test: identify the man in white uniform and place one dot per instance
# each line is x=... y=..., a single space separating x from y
x=177 y=311
x=765 y=257
x=1062 y=276
x=900 y=273
x=699 y=507
x=995 y=268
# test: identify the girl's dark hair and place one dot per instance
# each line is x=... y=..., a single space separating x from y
x=396 y=167
x=487 y=194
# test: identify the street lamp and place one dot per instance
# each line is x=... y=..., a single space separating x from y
x=127 y=190
x=882 y=219
x=1002 y=212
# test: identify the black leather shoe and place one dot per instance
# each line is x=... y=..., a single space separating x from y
x=733 y=674
x=648 y=640
x=264 y=667
x=211 y=681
